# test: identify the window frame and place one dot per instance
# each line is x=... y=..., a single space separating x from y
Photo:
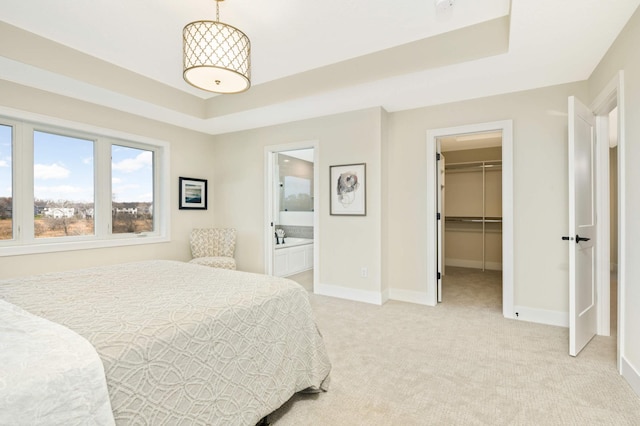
x=24 y=241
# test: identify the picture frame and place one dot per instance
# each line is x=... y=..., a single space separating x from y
x=193 y=194
x=348 y=186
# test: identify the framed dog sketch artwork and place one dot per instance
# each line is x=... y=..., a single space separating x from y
x=348 y=190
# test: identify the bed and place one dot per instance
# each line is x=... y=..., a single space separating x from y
x=178 y=344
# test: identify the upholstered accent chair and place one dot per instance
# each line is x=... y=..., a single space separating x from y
x=213 y=247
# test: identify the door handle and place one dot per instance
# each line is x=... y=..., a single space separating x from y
x=578 y=238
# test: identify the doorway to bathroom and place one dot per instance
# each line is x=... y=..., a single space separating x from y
x=291 y=176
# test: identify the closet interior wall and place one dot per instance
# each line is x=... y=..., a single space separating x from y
x=473 y=208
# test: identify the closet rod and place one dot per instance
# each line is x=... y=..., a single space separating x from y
x=474 y=165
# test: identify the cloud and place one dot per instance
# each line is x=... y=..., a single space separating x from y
x=122 y=188
x=50 y=171
x=4 y=163
x=115 y=181
x=88 y=160
x=127 y=193
x=129 y=165
x=148 y=197
x=63 y=192
x=63 y=189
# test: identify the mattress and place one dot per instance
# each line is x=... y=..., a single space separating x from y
x=183 y=343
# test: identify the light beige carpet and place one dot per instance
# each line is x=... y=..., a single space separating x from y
x=460 y=363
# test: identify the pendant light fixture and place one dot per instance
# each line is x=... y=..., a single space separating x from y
x=216 y=56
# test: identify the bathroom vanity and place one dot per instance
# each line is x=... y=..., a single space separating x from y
x=294 y=256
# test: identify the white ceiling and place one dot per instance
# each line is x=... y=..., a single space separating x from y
x=470 y=141
x=302 y=154
x=293 y=45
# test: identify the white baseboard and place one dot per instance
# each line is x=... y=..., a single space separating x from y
x=385 y=297
x=409 y=296
x=373 y=297
x=630 y=374
x=541 y=316
x=475 y=264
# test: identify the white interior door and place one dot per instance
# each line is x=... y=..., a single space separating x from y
x=440 y=222
x=582 y=227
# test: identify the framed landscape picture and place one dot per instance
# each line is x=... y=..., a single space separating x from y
x=193 y=194
x=348 y=190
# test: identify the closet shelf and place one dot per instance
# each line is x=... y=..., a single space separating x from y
x=473 y=219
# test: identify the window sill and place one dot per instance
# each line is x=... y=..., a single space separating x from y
x=52 y=247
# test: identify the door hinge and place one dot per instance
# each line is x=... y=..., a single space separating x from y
x=439 y=276
x=438 y=216
x=437 y=156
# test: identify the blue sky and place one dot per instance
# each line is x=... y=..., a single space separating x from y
x=132 y=174
x=5 y=161
x=63 y=169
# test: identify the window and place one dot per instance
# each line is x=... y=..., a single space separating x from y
x=132 y=190
x=62 y=185
x=296 y=194
x=6 y=183
x=65 y=189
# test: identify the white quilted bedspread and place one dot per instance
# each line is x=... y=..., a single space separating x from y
x=49 y=375
x=185 y=344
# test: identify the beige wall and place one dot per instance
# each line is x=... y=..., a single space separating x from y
x=349 y=243
x=623 y=55
x=234 y=164
x=540 y=198
x=189 y=157
x=346 y=243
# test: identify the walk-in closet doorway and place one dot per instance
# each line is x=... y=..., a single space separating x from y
x=471 y=211
x=491 y=222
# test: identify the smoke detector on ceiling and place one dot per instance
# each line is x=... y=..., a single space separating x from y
x=443 y=5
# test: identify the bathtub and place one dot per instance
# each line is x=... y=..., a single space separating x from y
x=292 y=242
x=293 y=257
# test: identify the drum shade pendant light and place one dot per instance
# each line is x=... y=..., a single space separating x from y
x=216 y=56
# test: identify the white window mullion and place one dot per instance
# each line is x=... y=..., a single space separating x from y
x=14 y=177
x=162 y=190
x=23 y=200
x=102 y=184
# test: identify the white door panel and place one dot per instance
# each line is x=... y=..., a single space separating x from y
x=582 y=226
